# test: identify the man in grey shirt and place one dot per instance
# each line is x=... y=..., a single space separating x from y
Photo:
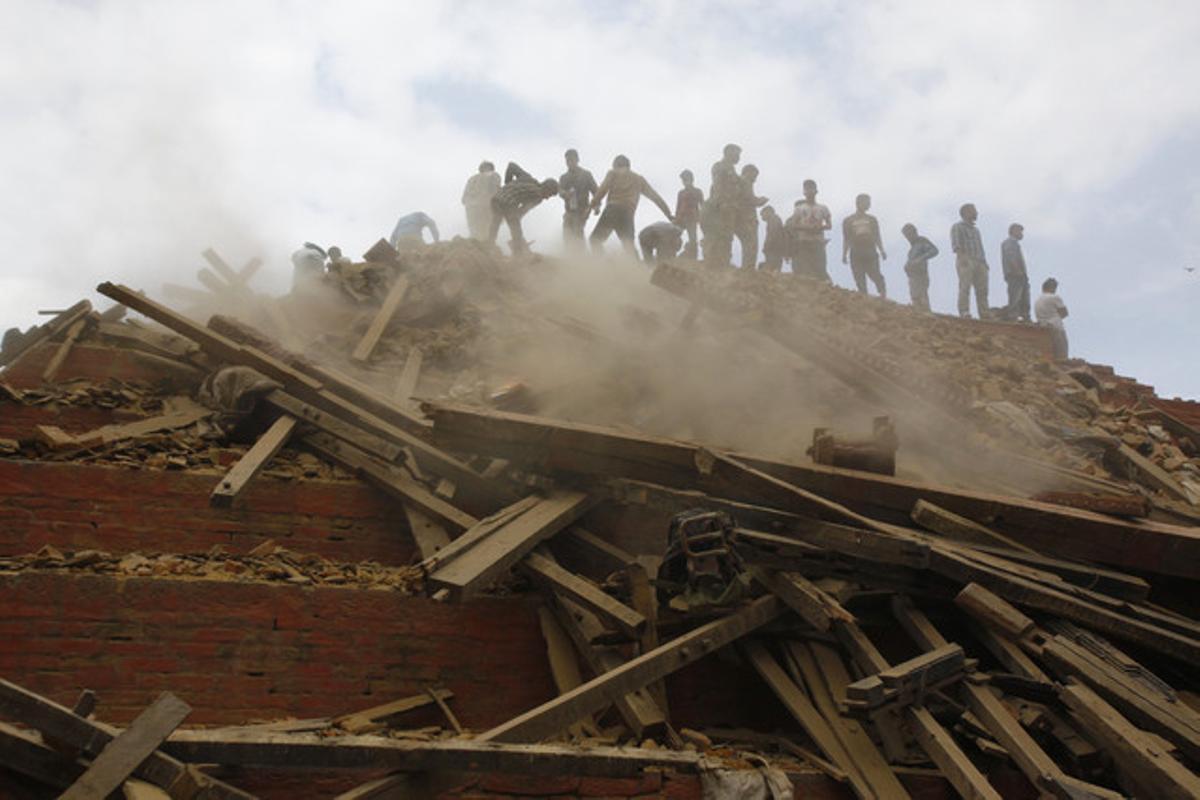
x=575 y=187
x=969 y=262
x=1015 y=274
x=916 y=267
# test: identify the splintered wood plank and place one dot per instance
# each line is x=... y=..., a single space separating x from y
x=802 y=709
x=375 y=718
x=395 y=296
x=587 y=594
x=40 y=333
x=477 y=530
x=23 y=753
x=555 y=715
x=64 y=349
x=410 y=376
x=477 y=568
x=219 y=265
x=953 y=526
x=252 y=462
x=564 y=666
x=639 y=710
x=1136 y=754
x=428 y=535
x=122 y=755
x=813 y=605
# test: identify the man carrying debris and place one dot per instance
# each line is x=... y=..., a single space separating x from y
x=477 y=200
x=775 y=245
x=969 y=262
x=624 y=188
x=520 y=193
x=718 y=216
x=308 y=267
x=660 y=241
x=746 y=221
x=862 y=246
x=1015 y=275
x=576 y=187
x=410 y=229
x=1050 y=311
x=916 y=267
x=807 y=227
x=687 y=211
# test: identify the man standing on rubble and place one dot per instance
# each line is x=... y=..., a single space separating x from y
x=624 y=188
x=660 y=241
x=862 y=246
x=308 y=267
x=687 y=211
x=746 y=222
x=477 y=200
x=916 y=267
x=410 y=229
x=718 y=216
x=1050 y=311
x=775 y=245
x=807 y=226
x=1015 y=275
x=969 y=262
x=576 y=187
x=520 y=193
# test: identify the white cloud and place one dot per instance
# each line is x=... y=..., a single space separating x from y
x=135 y=133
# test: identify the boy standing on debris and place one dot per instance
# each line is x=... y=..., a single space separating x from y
x=576 y=187
x=970 y=262
x=916 y=267
x=687 y=211
x=862 y=246
x=1051 y=311
x=520 y=193
x=1015 y=274
x=624 y=188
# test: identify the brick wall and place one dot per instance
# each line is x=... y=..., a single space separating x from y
x=238 y=652
x=78 y=506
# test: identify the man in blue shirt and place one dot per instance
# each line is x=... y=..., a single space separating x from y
x=970 y=262
x=410 y=229
x=1015 y=274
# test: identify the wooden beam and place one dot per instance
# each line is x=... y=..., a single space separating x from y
x=554 y=715
x=926 y=669
x=64 y=349
x=584 y=592
x=599 y=451
x=1150 y=474
x=330 y=393
x=803 y=711
x=131 y=747
x=474 y=570
x=377 y=717
x=40 y=333
x=961 y=529
x=1030 y=758
x=309 y=750
x=992 y=611
x=1138 y=756
x=60 y=723
x=564 y=665
x=24 y=753
x=389 y=787
x=252 y=462
x=429 y=535
x=639 y=710
x=334 y=426
x=814 y=606
x=410 y=376
x=395 y=296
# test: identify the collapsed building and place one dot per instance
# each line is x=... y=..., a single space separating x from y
x=451 y=524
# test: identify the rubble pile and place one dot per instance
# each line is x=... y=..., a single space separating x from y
x=1005 y=645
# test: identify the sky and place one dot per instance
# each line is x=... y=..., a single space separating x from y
x=137 y=133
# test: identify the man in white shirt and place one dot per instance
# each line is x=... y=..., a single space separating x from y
x=1050 y=310
x=477 y=200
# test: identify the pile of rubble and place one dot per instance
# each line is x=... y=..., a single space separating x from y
x=897 y=623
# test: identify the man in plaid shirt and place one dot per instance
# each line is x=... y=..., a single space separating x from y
x=970 y=262
x=520 y=193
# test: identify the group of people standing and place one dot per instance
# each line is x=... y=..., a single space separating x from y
x=732 y=210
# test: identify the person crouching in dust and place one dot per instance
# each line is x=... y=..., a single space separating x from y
x=520 y=193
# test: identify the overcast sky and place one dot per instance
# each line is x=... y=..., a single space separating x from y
x=135 y=134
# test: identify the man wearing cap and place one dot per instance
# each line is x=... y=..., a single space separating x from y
x=575 y=187
x=1016 y=277
x=520 y=193
x=623 y=188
